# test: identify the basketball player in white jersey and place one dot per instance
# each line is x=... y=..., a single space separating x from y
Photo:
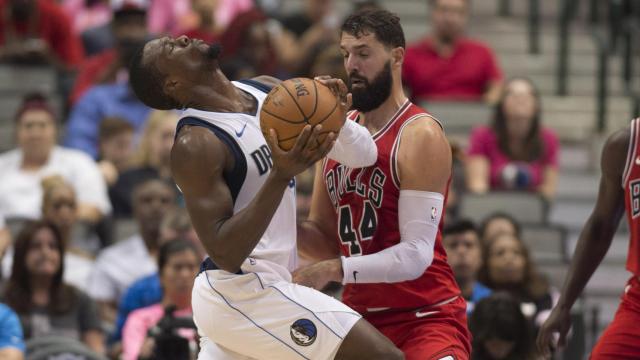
x=239 y=189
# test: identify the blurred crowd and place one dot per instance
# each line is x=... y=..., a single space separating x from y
x=95 y=243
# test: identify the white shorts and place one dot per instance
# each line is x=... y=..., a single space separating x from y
x=261 y=316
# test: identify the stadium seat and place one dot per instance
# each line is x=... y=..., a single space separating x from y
x=547 y=243
x=58 y=347
x=525 y=207
x=458 y=118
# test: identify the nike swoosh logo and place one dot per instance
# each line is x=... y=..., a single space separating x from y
x=355 y=273
x=239 y=133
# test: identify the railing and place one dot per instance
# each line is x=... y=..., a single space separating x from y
x=567 y=14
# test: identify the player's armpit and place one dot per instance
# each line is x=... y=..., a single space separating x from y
x=424 y=157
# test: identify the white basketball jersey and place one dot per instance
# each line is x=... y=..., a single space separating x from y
x=241 y=132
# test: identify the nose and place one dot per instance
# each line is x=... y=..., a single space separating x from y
x=183 y=40
x=351 y=64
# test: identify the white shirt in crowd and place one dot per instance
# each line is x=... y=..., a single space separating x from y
x=21 y=192
x=118 y=266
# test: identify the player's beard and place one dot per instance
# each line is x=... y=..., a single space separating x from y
x=213 y=51
x=371 y=95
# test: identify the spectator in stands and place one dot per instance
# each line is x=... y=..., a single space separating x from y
x=507 y=266
x=38 y=32
x=178 y=264
x=247 y=47
x=115 y=143
x=498 y=223
x=87 y=14
x=98 y=103
x=306 y=34
x=148 y=290
x=121 y=264
x=5 y=241
x=36 y=291
x=464 y=254
x=129 y=31
x=516 y=151
x=151 y=160
x=447 y=65
x=11 y=339
x=206 y=28
x=59 y=207
x=38 y=156
x=500 y=330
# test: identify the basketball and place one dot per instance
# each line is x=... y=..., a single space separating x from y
x=298 y=102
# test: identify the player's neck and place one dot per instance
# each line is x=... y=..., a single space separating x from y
x=223 y=96
x=378 y=118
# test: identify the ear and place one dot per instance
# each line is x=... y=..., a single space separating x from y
x=397 y=56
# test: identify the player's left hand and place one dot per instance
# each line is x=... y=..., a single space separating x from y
x=339 y=89
x=318 y=275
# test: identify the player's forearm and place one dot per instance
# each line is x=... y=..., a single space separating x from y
x=354 y=146
x=314 y=244
x=591 y=248
x=237 y=236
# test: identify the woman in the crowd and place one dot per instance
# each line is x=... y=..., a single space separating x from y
x=178 y=263
x=498 y=223
x=516 y=152
x=500 y=330
x=507 y=266
x=36 y=157
x=37 y=293
x=151 y=160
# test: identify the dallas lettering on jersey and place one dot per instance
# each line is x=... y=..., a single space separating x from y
x=262 y=158
x=345 y=180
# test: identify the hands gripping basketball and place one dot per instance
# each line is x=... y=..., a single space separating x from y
x=300 y=119
x=307 y=150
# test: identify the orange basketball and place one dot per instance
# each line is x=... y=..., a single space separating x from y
x=293 y=104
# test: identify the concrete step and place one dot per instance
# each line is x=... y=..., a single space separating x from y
x=617 y=254
x=577 y=185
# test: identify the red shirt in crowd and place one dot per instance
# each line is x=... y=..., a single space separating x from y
x=91 y=72
x=54 y=27
x=465 y=75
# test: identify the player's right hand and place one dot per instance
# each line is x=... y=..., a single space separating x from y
x=307 y=150
x=339 y=89
x=558 y=322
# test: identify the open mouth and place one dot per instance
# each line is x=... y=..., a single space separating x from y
x=358 y=83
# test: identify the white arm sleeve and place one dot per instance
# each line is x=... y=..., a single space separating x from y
x=419 y=214
x=354 y=146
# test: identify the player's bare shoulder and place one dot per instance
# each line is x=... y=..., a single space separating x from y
x=424 y=135
x=194 y=150
x=614 y=153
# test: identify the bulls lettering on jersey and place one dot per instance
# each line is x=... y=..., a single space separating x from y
x=366 y=204
x=631 y=186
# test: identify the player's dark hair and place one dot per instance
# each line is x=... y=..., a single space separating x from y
x=499 y=317
x=172 y=247
x=147 y=83
x=533 y=146
x=459 y=227
x=382 y=23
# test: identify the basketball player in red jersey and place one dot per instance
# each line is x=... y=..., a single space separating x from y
x=619 y=192
x=387 y=217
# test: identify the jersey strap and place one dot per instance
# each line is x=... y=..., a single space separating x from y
x=256 y=84
x=234 y=178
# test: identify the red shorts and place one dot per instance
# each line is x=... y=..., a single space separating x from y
x=621 y=339
x=431 y=333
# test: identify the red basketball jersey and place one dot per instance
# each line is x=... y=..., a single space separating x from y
x=631 y=185
x=366 y=202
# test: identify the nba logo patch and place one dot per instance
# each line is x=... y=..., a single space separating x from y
x=303 y=332
x=434 y=214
